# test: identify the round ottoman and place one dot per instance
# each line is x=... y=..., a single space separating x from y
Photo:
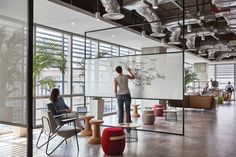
x=158 y=110
x=113 y=141
x=148 y=117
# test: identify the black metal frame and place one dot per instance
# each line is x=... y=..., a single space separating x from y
x=183 y=59
x=52 y=135
x=30 y=79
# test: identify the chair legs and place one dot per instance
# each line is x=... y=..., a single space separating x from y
x=77 y=141
x=49 y=153
x=50 y=137
x=76 y=136
x=53 y=134
x=37 y=144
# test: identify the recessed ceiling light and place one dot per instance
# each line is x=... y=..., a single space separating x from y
x=72 y=23
x=112 y=35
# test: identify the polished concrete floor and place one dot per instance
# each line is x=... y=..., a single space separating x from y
x=207 y=134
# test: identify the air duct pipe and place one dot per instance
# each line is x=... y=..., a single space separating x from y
x=203 y=50
x=227 y=15
x=147 y=12
x=211 y=54
x=190 y=43
x=225 y=54
x=175 y=33
x=113 y=10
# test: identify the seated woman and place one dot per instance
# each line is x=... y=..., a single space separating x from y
x=60 y=107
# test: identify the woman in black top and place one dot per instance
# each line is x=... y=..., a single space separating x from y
x=60 y=107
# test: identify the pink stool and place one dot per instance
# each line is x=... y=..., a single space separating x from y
x=158 y=110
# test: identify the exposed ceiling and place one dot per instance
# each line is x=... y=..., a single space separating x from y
x=57 y=16
x=208 y=22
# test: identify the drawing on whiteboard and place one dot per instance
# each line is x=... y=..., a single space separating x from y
x=145 y=70
x=154 y=76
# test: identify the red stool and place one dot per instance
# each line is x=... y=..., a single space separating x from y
x=113 y=141
x=158 y=110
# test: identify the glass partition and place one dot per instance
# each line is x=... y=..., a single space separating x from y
x=158 y=69
x=13 y=66
x=13 y=76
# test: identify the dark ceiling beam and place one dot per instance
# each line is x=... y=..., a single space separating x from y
x=167 y=11
x=191 y=6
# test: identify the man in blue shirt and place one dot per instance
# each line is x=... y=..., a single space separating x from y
x=229 y=88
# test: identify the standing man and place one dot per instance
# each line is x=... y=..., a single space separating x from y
x=123 y=94
x=229 y=88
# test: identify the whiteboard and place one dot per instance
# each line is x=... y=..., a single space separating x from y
x=158 y=76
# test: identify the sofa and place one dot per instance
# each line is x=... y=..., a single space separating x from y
x=195 y=101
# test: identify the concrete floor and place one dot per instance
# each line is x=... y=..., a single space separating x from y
x=208 y=134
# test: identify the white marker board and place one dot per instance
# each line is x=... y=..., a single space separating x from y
x=158 y=76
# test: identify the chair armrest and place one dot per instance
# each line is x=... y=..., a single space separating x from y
x=68 y=120
x=58 y=116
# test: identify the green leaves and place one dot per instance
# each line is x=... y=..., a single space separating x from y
x=47 y=81
x=48 y=54
x=190 y=76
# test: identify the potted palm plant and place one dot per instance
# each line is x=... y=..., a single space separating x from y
x=189 y=77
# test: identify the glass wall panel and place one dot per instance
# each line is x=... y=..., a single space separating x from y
x=13 y=66
x=56 y=43
x=73 y=48
x=77 y=102
x=223 y=73
x=13 y=76
x=211 y=72
x=78 y=65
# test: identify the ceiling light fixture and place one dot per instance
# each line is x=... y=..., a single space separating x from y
x=98 y=16
x=189 y=28
x=143 y=33
x=155 y=4
x=113 y=36
x=97 y=13
x=72 y=23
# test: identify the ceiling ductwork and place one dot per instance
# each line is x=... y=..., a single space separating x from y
x=175 y=33
x=148 y=13
x=219 y=52
x=211 y=54
x=230 y=16
x=225 y=54
x=203 y=50
x=190 y=43
x=224 y=3
x=188 y=21
x=112 y=8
